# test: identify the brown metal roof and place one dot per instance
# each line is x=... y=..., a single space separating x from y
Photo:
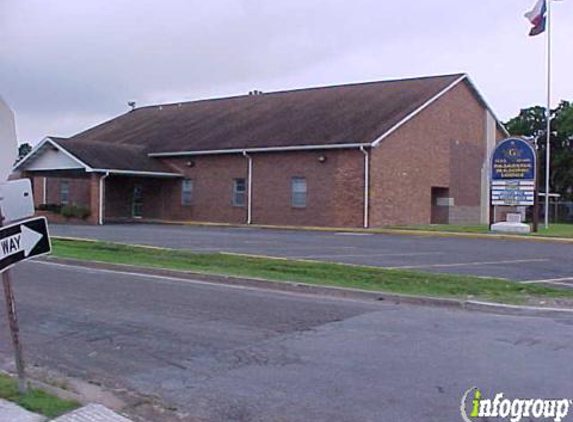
x=329 y=116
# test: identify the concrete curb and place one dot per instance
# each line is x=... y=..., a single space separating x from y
x=336 y=292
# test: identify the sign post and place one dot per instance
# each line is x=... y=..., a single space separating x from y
x=536 y=204
x=14 y=327
x=514 y=175
x=20 y=242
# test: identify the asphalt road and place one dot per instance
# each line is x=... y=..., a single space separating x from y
x=230 y=354
x=514 y=260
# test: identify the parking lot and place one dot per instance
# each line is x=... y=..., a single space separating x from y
x=514 y=260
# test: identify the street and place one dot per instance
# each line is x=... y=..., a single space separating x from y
x=514 y=260
x=225 y=353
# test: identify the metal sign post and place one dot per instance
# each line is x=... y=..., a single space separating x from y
x=20 y=242
x=536 y=204
x=14 y=328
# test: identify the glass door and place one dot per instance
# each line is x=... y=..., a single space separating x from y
x=137 y=201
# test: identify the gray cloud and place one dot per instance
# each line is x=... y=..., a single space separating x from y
x=68 y=64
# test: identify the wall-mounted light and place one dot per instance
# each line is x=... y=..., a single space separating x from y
x=190 y=163
x=322 y=159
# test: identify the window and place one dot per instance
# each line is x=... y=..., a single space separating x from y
x=239 y=191
x=298 y=192
x=187 y=192
x=64 y=193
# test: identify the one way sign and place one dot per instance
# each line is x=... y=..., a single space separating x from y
x=23 y=241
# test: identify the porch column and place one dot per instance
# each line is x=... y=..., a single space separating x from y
x=97 y=198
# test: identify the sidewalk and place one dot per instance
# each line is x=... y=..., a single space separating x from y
x=10 y=412
x=92 y=413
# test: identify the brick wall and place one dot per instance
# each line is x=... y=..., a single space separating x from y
x=212 y=178
x=443 y=147
x=79 y=190
x=334 y=198
x=82 y=192
x=38 y=189
x=334 y=188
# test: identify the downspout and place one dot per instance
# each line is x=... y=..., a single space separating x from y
x=45 y=191
x=366 y=187
x=101 y=197
x=250 y=188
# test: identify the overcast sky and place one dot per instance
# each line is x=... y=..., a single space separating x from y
x=66 y=65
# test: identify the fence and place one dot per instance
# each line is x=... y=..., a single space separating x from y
x=559 y=212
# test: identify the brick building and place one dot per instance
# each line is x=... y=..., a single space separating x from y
x=396 y=152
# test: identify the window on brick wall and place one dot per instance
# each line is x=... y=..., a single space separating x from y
x=64 y=193
x=187 y=192
x=298 y=192
x=239 y=192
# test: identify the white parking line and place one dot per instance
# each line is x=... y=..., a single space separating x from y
x=367 y=255
x=469 y=264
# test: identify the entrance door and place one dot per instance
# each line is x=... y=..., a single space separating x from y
x=440 y=206
x=137 y=201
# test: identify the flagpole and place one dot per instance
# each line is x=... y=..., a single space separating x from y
x=548 y=112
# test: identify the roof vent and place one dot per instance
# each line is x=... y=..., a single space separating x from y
x=132 y=104
x=255 y=92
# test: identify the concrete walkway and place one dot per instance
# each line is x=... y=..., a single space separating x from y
x=92 y=413
x=10 y=412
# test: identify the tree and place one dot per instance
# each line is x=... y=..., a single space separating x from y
x=531 y=123
x=23 y=150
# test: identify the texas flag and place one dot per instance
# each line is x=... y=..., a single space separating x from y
x=537 y=17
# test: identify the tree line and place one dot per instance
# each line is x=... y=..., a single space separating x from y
x=532 y=124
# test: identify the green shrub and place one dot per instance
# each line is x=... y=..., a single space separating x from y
x=82 y=212
x=55 y=208
x=67 y=211
x=76 y=211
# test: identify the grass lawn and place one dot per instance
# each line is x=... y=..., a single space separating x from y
x=327 y=274
x=555 y=230
x=36 y=401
